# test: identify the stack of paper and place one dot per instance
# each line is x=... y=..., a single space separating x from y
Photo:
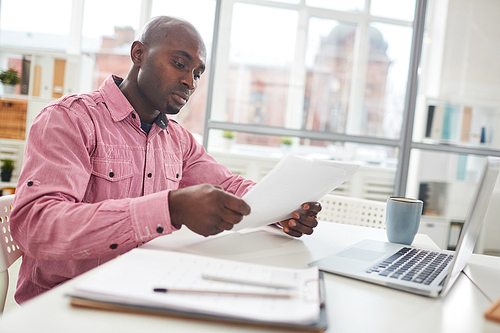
x=293 y=181
x=257 y=292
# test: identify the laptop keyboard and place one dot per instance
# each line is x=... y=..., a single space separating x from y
x=414 y=265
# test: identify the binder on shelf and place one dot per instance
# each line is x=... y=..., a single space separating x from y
x=249 y=295
x=437 y=123
x=25 y=75
x=59 y=69
x=430 y=116
x=449 y=130
x=466 y=124
x=37 y=79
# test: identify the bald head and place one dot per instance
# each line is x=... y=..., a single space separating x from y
x=158 y=28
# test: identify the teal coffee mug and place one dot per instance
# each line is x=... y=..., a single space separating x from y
x=402 y=219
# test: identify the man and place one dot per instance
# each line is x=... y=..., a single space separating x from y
x=107 y=171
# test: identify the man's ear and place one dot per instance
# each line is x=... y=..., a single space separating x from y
x=137 y=53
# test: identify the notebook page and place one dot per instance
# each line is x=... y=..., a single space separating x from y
x=131 y=278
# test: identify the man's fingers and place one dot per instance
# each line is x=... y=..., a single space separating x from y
x=305 y=220
x=302 y=223
x=236 y=204
x=230 y=216
x=223 y=225
x=311 y=207
x=292 y=232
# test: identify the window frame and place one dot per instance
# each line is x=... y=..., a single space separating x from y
x=295 y=100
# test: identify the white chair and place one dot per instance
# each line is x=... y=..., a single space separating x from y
x=9 y=251
x=356 y=211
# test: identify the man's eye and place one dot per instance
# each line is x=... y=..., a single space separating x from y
x=178 y=64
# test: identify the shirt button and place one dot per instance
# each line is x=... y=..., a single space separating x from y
x=159 y=230
x=111 y=174
x=177 y=176
x=113 y=246
x=133 y=115
x=150 y=175
x=30 y=183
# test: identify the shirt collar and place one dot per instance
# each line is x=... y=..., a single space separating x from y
x=118 y=105
x=161 y=121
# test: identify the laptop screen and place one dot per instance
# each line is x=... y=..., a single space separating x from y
x=474 y=219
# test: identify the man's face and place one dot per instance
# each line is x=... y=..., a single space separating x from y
x=171 y=70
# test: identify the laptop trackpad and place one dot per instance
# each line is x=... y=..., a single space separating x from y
x=360 y=254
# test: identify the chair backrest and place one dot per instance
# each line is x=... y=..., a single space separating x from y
x=9 y=250
x=347 y=210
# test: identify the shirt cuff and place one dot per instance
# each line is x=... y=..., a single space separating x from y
x=150 y=216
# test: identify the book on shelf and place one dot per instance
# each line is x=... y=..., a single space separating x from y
x=437 y=122
x=430 y=117
x=466 y=124
x=58 y=84
x=449 y=131
x=205 y=288
x=25 y=75
x=37 y=79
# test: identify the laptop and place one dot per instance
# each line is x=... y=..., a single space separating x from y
x=421 y=271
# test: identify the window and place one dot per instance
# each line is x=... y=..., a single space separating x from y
x=327 y=74
x=23 y=27
x=329 y=63
x=107 y=34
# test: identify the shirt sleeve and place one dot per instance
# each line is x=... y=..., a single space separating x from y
x=200 y=167
x=49 y=220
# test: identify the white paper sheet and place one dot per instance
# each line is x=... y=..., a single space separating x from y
x=131 y=278
x=293 y=181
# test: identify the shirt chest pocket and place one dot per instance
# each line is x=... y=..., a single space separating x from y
x=112 y=170
x=173 y=173
x=110 y=179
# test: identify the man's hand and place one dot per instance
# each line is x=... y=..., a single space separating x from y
x=206 y=209
x=302 y=222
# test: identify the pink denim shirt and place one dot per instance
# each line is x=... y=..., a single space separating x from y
x=95 y=185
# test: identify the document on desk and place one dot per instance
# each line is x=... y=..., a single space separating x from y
x=198 y=285
x=292 y=182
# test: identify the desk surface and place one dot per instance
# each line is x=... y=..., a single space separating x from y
x=353 y=306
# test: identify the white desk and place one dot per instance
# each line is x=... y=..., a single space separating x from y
x=484 y=271
x=353 y=306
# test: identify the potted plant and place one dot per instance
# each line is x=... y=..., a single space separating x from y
x=6 y=169
x=227 y=139
x=9 y=79
x=286 y=140
x=286 y=143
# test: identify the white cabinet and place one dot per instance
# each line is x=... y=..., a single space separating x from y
x=436 y=228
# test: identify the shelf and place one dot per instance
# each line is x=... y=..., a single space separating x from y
x=454 y=148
